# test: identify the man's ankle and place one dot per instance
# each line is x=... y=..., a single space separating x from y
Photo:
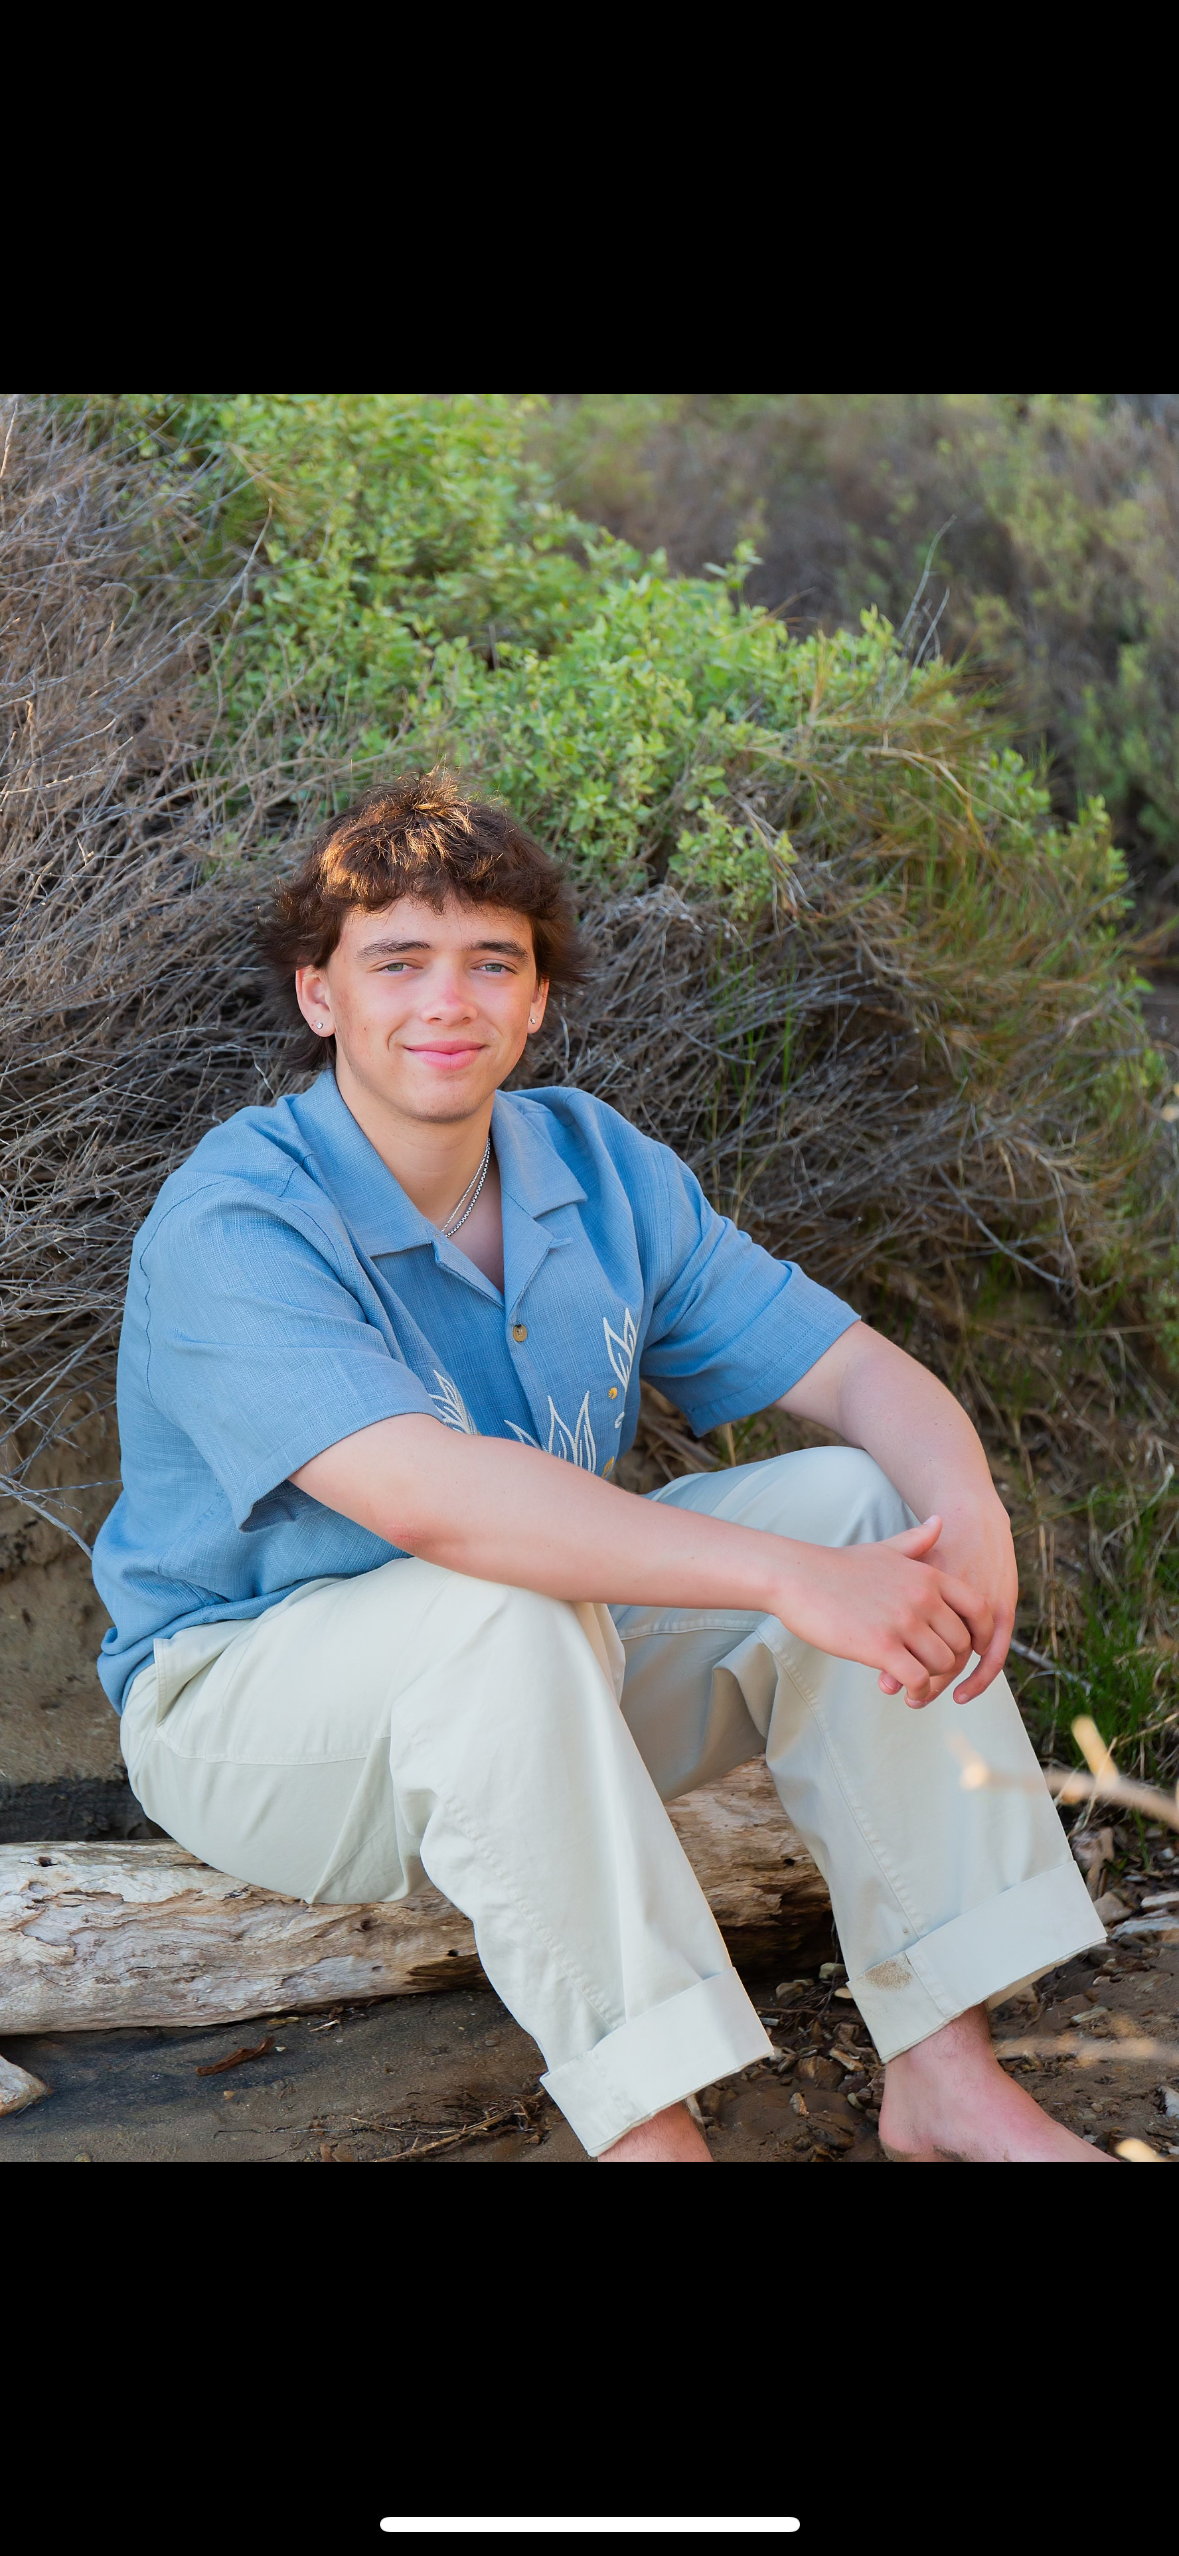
x=961 y=2044
x=668 y=2138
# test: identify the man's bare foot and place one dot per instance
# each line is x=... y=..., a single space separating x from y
x=668 y=2138
x=947 y=2101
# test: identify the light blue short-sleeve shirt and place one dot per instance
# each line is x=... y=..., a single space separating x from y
x=284 y=1293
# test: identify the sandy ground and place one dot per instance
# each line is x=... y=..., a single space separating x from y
x=366 y=2085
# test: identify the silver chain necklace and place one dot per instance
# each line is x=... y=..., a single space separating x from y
x=457 y=1219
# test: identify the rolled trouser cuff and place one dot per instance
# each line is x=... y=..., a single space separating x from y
x=655 y=2059
x=981 y=1956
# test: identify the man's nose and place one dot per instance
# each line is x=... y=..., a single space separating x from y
x=448 y=993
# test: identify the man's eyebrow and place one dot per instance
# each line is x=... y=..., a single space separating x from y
x=398 y=949
x=391 y=949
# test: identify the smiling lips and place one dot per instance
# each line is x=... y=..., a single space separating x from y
x=448 y=1057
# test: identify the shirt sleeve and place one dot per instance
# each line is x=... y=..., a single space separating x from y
x=731 y=1328
x=256 y=1345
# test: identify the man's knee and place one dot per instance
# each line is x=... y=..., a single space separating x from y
x=874 y=1507
x=839 y=1495
x=531 y=1687
x=448 y=1618
x=541 y=1634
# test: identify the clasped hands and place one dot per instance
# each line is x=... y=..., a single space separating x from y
x=916 y=1605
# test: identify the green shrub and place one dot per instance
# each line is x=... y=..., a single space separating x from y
x=656 y=727
x=1056 y=568
x=365 y=528
x=846 y=958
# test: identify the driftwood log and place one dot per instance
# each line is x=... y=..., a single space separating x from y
x=104 y=1935
x=18 y=2088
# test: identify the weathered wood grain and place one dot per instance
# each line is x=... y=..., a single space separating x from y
x=101 y=1935
x=18 y=2087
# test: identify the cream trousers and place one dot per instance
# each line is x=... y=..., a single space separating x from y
x=365 y=1732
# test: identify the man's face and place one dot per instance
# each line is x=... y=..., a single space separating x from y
x=430 y=1011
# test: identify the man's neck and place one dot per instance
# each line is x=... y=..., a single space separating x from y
x=433 y=1160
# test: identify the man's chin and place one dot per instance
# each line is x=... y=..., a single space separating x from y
x=454 y=1116
x=445 y=1107
x=433 y=1099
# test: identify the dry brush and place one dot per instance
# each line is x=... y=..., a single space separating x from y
x=921 y=1071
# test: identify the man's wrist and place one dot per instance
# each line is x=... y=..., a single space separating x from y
x=777 y=1584
x=962 y=1512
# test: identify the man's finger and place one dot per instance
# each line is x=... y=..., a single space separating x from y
x=913 y=1677
x=925 y=1665
x=950 y=1628
x=938 y=1658
x=973 y=1609
x=916 y=1542
x=989 y=1665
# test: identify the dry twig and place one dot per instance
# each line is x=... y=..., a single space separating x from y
x=1102 y=1784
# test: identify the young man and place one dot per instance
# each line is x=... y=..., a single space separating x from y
x=380 y=1610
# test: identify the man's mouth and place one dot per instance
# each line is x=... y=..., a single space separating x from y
x=449 y=1055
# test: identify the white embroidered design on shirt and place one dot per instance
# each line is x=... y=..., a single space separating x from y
x=620 y=1350
x=452 y=1410
x=574 y=1446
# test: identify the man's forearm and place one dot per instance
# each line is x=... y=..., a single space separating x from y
x=509 y=1513
x=881 y=1400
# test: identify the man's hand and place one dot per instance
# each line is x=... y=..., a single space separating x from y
x=887 y=1605
x=913 y=1607
x=975 y=1545
x=880 y=1399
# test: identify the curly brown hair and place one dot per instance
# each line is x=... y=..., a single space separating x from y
x=416 y=836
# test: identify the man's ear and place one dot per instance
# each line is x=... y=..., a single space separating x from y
x=536 y=1008
x=313 y=999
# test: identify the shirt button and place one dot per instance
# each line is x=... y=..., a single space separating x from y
x=519 y=1331
x=613 y=1393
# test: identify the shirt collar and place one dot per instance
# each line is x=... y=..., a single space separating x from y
x=534 y=1178
x=532 y=1173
